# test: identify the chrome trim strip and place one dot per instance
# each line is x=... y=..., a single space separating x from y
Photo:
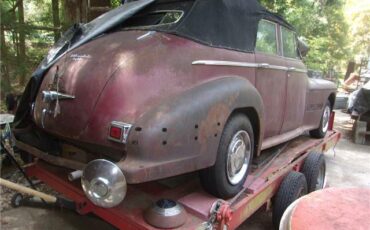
x=278 y=67
x=300 y=70
x=247 y=64
x=225 y=63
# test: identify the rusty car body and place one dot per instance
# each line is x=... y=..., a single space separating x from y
x=168 y=91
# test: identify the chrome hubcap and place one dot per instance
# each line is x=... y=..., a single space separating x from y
x=320 y=183
x=238 y=156
x=325 y=119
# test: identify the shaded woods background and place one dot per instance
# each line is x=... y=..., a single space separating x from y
x=336 y=30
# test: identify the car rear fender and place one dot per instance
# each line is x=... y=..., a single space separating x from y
x=182 y=134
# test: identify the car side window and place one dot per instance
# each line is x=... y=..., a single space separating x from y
x=266 y=37
x=289 y=43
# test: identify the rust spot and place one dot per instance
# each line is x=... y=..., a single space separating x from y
x=208 y=126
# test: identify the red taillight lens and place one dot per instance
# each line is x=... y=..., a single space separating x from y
x=115 y=132
x=119 y=131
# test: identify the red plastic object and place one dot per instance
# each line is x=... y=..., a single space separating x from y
x=333 y=209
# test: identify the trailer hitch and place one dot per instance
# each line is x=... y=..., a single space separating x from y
x=220 y=216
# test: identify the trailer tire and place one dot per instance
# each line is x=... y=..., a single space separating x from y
x=314 y=170
x=292 y=187
x=227 y=176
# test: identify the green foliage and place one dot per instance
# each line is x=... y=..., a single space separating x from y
x=266 y=38
x=323 y=25
x=37 y=14
x=358 y=14
x=115 y=3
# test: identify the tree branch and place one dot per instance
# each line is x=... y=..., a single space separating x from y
x=15 y=6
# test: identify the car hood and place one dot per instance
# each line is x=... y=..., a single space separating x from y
x=321 y=84
x=84 y=73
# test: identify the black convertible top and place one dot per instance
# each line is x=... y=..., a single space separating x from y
x=230 y=24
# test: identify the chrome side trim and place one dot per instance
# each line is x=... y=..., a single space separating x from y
x=225 y=63
x=299 y=70
x=278 y=67
x=247 y=64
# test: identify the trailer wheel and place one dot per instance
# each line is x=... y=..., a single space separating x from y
x=294 y=185
x=234 y=157
x=314 y=170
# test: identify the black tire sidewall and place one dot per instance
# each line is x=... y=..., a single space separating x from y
x=311 y=167
x=288 y=192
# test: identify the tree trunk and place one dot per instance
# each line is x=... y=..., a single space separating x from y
x=22 y=45
x=5 y=76
x=74 y=12
x=56 y=19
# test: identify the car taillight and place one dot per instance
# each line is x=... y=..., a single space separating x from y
x=115 y=132
x=119 y=131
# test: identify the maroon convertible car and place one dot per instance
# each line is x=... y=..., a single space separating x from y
x=158 y=88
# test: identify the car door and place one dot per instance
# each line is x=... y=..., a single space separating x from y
x=270 y=77
x=296 y=82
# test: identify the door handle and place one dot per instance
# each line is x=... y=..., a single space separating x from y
x=291 y=69
x=263 y=65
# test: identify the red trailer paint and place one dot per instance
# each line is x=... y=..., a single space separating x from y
x=187 y=191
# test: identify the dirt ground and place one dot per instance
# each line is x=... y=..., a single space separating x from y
x=347 y=166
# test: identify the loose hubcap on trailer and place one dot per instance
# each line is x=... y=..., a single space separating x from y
x=325 y=119
x=238 y=157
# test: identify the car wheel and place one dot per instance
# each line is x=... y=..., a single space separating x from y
x=234 y=157
x=320 y=132
x=314 y=170
x=293 y=186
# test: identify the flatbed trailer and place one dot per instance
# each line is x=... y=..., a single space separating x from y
x=203 y=210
